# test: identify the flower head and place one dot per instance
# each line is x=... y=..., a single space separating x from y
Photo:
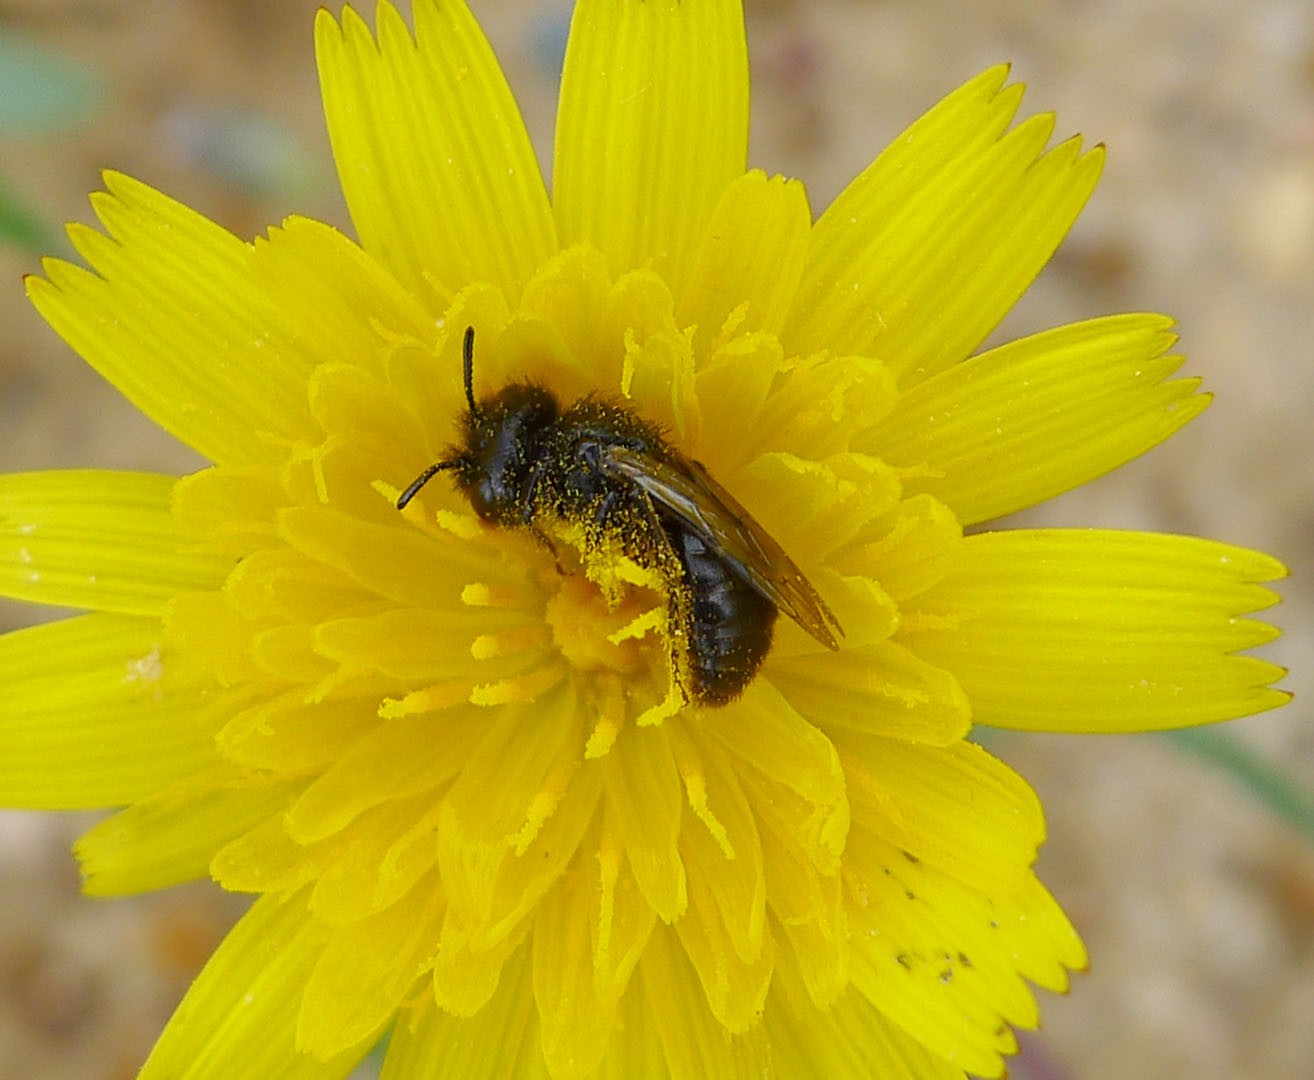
x=461 y=758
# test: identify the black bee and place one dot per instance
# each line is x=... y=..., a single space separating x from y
x=522 y=460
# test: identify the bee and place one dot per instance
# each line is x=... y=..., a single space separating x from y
x=523 y=460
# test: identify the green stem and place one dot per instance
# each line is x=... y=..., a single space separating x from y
x=1281 y=793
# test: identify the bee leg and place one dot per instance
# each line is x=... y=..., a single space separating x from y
x=548 y=544
x=528 y=500
x=543 y=538
x=603 y=511
x=660 y=552
x=528 y=505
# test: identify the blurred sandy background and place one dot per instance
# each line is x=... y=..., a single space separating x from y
x=1196 y=899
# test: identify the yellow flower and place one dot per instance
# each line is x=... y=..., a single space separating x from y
x=458 y=763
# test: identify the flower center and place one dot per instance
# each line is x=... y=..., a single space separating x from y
x=607 y=613
x=594 y=635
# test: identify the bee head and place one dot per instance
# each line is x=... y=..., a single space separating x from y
x=496 y=459
x=496 y=454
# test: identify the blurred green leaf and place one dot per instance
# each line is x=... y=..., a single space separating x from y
x=1284 y=796
x=21 y=226
x=40 y=90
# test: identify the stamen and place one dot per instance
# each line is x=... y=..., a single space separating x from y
x=434 y=698
x=542 y=806
x=508 y=642
x=695 y=785
x=669 y=706
x=462 y=526
x=652 y=619
x=481 y=594
x=610 y=708
x=525 y=687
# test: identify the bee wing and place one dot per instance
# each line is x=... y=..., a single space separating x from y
x=705 y=506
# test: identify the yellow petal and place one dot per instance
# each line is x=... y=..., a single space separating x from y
x=751 y=258
x=635 y=1051
x=290 y=735
x=731 y=391
x=576 y=1023
x=380 y=857
x=239 y=1017
x=954 y=807
x=234 y=508
x=693 y=1041
x=437 y=168
x=287 y=652
x=881 y=688
x=97 y=711
x=908 y=549
x=342 y=303
x=1030 y=914
x=850 y=1040
x=285 y=586
x=1095 y=630
x=499 y=857
x=266 y=860
x=924 y=253
x=400 y=564
x=817 y=505
x=1040 y=416
x=172 y=836
x=365 y=971
x=727 y=861
x=724 y=931
x=570 y=331
x=821 y=409
x=643 y=808
x=766 y=734
x=401 y=757
x=410 y=645
x=621 y=918
x=816 y=933
x=947 y=961
x=204 y=628
x=652 y=125
x=98 y=539
x=959 y=127
x=803 y=888
x=500 y=1040
x=934 y=956
x=465 y=978
x=362 y=413
x=171 y=315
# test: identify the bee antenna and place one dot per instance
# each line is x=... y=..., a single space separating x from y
x=419 y=482
x=467 y=358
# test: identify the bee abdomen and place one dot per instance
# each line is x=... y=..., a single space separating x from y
x=729 y=621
